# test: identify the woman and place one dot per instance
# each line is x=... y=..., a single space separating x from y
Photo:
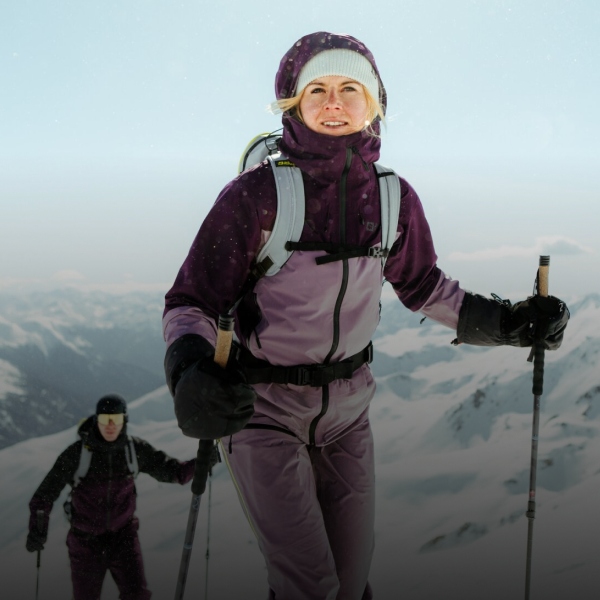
x=303 y=462
x=101 y=468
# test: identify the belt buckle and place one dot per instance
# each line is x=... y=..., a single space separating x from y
x=314 y=376
x=302 y=376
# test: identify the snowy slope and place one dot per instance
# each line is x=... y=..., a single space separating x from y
x=452 y=430
x=453 y=468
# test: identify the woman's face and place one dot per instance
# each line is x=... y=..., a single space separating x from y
x=334 y=105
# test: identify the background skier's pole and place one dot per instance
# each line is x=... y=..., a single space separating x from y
x=538 y=385
x=40 y=526
x=206 y=457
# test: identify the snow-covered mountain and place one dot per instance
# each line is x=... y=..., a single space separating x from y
x=452 y=429
x=60 y=351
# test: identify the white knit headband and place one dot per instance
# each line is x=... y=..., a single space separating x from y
x=342 y=62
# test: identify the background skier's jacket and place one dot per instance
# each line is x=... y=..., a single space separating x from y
x=105 y=499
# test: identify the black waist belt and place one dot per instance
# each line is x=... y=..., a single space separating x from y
x=260 y=371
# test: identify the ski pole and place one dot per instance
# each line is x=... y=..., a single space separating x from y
x=40 y=526
x=207 y=556
x=538 y=385
x=206 y=457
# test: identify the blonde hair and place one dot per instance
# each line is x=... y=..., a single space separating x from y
x=292 y=106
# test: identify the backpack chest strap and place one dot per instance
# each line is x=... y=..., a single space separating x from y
x=338 y=251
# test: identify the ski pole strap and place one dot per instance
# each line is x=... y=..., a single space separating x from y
x=317 y=375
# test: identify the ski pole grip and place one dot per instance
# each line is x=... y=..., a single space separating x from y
x=224 y=339
x=40 y=527
x=543 y=270
x=208 y=454
x=538 y=349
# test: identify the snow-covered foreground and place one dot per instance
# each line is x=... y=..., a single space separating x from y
x=453 y=437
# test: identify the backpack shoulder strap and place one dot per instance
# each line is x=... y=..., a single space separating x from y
x=289 y=220
x=131 y=457
x=389 y=200
x=85 y=458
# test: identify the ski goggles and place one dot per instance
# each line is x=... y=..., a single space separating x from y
x=117 y=419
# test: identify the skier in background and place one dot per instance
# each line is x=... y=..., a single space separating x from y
x=294 y=400
x=103 y=534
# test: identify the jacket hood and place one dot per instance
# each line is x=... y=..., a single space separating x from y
x=322 y=156
x=309 y=46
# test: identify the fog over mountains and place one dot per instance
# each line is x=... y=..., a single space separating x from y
x=452 y=429
x=60 y=351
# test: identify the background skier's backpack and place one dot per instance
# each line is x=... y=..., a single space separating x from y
x=289 y=220
x=85 y=459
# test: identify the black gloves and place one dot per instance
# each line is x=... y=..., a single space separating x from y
x=210 y=402
x=36 y=540
x=494 y=322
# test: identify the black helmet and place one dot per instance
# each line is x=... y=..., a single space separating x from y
x=111 y=404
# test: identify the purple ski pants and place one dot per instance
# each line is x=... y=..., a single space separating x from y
x=118 y=552
x=311 y=508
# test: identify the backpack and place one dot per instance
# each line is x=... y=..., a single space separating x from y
x=85 y=459
x=289 y=220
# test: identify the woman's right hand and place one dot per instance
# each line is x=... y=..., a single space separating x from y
x=210 y=402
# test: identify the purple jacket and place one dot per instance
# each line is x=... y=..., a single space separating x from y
x=309 y=313
x=105 y=499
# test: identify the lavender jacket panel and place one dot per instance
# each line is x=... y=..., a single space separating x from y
x=298 y=302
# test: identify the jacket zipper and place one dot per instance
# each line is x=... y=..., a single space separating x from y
x=338 y=303
x=108 y=490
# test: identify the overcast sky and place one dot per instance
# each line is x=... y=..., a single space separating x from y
x=120 y=121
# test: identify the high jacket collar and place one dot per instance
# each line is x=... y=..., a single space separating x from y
x=322 y=156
